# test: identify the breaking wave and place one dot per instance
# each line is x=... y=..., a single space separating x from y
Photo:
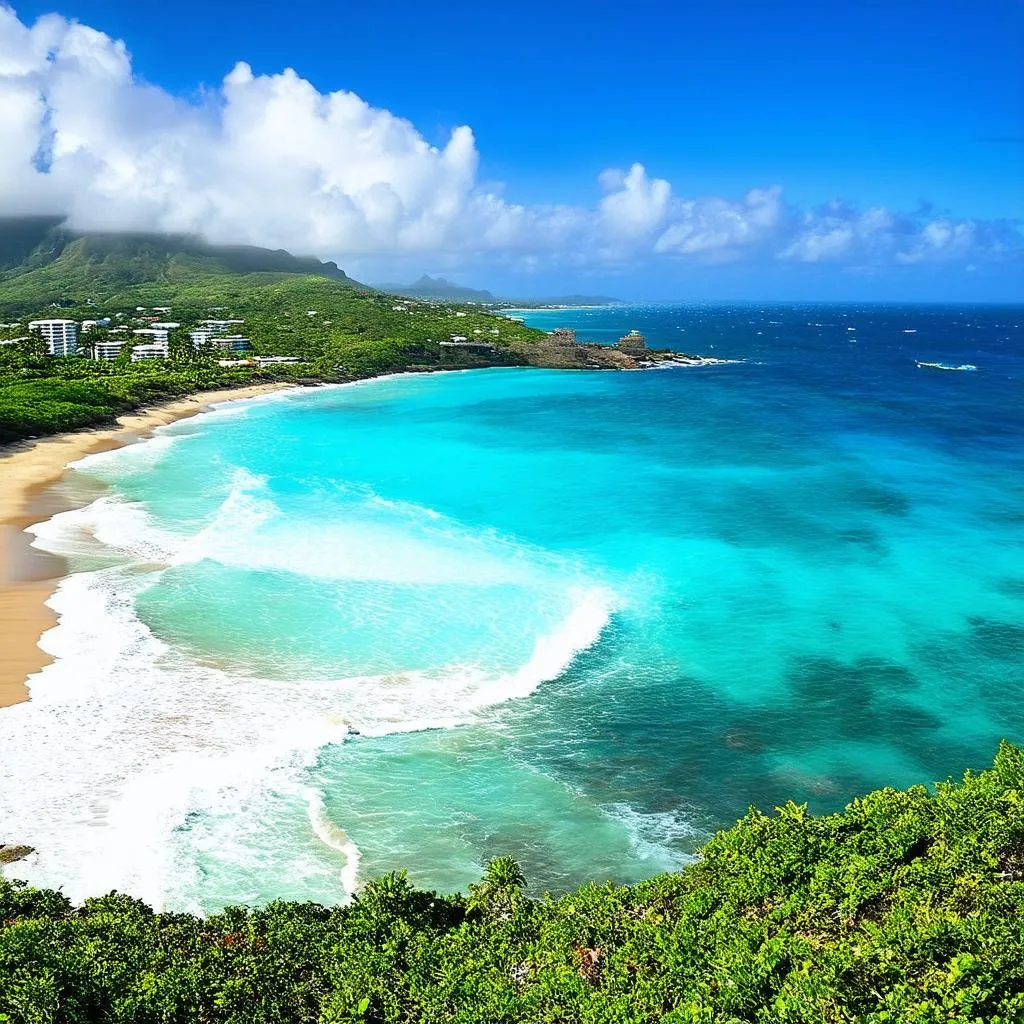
x=136 y=766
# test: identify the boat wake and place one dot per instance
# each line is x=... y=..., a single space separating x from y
x=963 y=367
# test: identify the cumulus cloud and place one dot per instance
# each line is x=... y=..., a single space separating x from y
x=635 y=204
x=721 y=229
x=270 y=160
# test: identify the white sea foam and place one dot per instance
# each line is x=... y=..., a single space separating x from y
x=137 y=457
x=656 y=835
x=126 y=740
x=334 y=837
x=248 y=531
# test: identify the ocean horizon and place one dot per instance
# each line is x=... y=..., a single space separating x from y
x=582 y=618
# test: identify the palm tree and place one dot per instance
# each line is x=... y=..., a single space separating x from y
x=501 y=888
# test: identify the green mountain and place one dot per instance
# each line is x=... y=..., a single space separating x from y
x=428 y=287
x=447 y=291
x=43 y=262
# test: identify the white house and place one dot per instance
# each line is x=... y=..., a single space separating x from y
x=61 y=336
x=275 y=360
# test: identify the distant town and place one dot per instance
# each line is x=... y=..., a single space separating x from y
x=146 y=336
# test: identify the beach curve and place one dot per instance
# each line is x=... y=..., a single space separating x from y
x=28 y=579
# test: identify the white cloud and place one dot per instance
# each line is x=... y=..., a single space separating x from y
x=635 y=204
x=720 y=229
x=269 y=160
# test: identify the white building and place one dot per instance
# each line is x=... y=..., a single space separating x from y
x=108 y=348
x=212 y=330
x=61 y=336
x=233 y=343
x=165 y=325
x=220 y=325
x=154 y=350
x=156 y=335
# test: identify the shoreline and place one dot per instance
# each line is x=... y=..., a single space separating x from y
x=28 y=472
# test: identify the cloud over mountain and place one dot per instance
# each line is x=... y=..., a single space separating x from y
x=270 y=160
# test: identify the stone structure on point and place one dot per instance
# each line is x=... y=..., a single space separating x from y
x=633 y=344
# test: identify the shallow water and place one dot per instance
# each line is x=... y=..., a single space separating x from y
x=583 y=618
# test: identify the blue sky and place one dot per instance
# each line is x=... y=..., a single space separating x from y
x=912 y=106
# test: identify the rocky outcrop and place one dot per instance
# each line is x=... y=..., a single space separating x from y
x=560 y=351
x=10 y=852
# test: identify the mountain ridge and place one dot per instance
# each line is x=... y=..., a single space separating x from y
x=428 y=287
x=43 y=262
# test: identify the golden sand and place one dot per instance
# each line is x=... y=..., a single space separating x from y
x=27 y=578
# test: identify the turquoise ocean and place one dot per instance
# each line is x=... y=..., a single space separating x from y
x=582 y=618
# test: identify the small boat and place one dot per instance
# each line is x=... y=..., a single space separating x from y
x=912 y=330
x=963 y=367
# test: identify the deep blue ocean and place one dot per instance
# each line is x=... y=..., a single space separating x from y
x=583 y=618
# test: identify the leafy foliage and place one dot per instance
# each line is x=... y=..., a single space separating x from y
x=906 y=908
x=43 y=263
x=46 y=396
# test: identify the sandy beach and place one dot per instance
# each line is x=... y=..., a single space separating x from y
x=28 y=578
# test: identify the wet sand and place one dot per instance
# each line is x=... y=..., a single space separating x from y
x=28 y=577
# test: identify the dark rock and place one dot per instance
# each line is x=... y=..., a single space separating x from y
x=10 y=853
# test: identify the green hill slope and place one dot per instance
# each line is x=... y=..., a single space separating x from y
x=41 y=264
x=907 y=908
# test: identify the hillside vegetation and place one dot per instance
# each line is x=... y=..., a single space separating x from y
x=338 y=329
x=907 y=908
x=42 y=263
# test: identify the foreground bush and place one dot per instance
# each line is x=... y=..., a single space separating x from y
x=907 y=907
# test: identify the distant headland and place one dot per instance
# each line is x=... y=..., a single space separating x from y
x=440 y=288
